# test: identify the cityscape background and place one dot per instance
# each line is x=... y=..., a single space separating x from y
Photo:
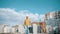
x=13 y=12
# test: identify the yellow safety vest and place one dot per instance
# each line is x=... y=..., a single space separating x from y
x=27 y=22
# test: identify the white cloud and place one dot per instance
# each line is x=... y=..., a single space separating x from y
x=42 y=17
x=11 y=16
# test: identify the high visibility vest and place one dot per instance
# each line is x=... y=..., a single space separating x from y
x=27 y=22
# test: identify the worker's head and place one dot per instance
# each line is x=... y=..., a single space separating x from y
x=26 y=17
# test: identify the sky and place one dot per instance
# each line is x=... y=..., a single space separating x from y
x=14 y=11
x=35 y=6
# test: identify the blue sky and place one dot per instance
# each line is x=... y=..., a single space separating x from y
x=14 y=11
x=34 y=6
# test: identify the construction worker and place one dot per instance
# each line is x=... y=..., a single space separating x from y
x=27 y=24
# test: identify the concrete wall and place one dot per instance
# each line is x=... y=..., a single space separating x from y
x=34 y=29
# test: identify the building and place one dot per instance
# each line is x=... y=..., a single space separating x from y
x=53 y=19
x=14 y=29
x=7 y=29
x=21 y=29
x=57 y=17
x=50 y=15
x=1 y=28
